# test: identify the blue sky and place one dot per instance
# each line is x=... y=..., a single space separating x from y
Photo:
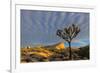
x=39 y=27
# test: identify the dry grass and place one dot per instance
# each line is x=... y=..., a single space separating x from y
x=51 y=53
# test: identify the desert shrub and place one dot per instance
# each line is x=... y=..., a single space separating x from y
x=84 y=52
x=27 y=59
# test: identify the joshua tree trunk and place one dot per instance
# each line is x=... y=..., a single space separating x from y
x=70 y=53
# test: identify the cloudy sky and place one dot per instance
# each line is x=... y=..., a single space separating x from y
x=39 y=27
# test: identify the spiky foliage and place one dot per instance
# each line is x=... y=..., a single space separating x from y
x=68 y=33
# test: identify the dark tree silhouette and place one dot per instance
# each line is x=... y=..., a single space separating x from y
x=68 y=33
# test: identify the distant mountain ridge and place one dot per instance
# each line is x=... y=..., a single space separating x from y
x=58 y=46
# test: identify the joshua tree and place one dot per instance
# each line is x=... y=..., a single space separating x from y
x=68 y=33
